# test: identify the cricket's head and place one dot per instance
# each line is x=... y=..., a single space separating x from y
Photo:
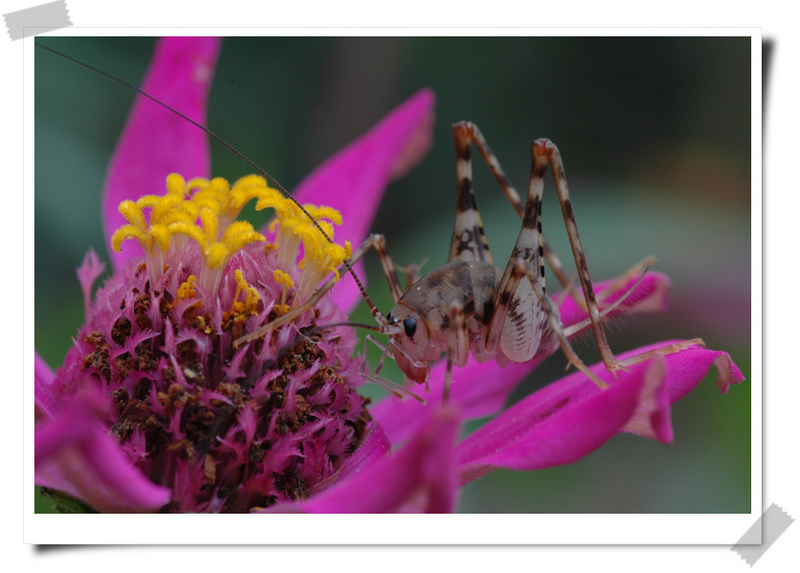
x=411 y=343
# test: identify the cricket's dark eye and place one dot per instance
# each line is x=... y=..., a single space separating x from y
x=410 y=326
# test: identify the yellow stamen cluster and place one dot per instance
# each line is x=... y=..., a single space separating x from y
x=251 y=297
x=205 y=211
x=283 y=279
x=295 y=227
x=187 y=289
x=202 y=210
x=320 y=257
x=233 y=321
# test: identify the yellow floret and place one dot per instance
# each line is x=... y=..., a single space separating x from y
x=204 y=211
x=286 y=282
x=187 y=288
x=314 y=230
x=248 y=306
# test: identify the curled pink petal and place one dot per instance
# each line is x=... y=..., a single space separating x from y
x=420 y=477
x=91 y=268
x=44 y=400
x=75 y=454
x=572 y=417
x=685 y=370
x=353 y=180
x=156 y=141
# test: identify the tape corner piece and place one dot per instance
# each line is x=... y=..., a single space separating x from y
x=762 y=534
x=37 y=19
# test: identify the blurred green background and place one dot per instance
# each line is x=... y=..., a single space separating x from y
x=655 y=137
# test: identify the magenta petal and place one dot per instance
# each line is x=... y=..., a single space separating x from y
x=44 y=401
x=353 y=180
x=482 y=389
x=91 y=268
x=556 y=425
x=650 y=295
x=420 y=477
x=572 y=417
x=75 y=454
x=684 y=371
x=156 y=141
x=478 y=390
x=375 y=446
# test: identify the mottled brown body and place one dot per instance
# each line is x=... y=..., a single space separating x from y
x=468 y=306
x=472 y=285
x=455 y=304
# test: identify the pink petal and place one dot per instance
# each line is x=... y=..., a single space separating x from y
x=353 y=180
x=374 y=447
x=91 y=268
x=650 y=295
x=557 y=425
x=420 y=477
x=156 y=141
x=685 y=370
x=44 y=401
x=76 y=455
x=479 y=390
x=572 y=417
x=482 y=389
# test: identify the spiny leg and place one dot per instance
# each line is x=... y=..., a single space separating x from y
x=526 y=262
x=663 y=351
x=574 y=359
x=517 y=326
x=469 y=241
x=544 y=151
x=397 y=389
x=474 y=134
x=504 y=312
x=558 y=330
x=635 y=271
x=378 y=242
x=577 y=327
x=412 y=272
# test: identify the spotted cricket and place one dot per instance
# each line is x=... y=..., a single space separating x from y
x=469 y=306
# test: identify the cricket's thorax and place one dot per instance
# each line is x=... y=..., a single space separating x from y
x=472 y=285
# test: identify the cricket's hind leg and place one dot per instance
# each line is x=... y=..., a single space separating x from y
x=545 y=152
x=474 y=135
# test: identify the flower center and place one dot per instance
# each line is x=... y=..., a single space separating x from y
x=226 y=428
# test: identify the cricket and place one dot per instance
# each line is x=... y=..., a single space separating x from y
x=467 y=306
x=470 y=306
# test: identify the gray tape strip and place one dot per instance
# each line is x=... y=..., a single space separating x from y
x=763 y=533
x=50 y=16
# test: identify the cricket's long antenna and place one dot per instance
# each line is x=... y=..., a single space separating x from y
x=375 y=328
x=353 y=324
x=213 y=135
x=199 y=125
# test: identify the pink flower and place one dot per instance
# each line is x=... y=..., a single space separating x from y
x=155 y=409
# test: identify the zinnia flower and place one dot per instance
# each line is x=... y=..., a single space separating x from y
x=156 y=409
